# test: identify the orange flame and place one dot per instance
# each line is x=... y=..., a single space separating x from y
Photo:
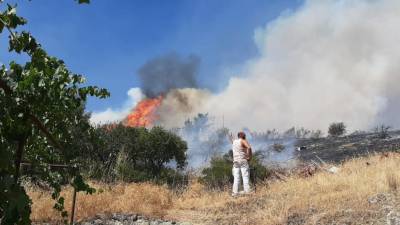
x=144 y=113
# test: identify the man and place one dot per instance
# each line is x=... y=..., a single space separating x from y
x=241 y=156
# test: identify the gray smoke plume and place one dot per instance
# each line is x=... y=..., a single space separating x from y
x=161 y=74
x=332 y=60
x=179 y=105
x=327 y=61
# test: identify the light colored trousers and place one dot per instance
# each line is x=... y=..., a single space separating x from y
x=243 y=169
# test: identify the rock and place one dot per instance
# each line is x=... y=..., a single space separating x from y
x=119 y=217
x=126 y=219
x=165 y=223
x=132 y=217
x=142 y=222
x=333 y=169
x=393 y=218
x=377 y=198
x=97 y=221
x=100 y=216
x=295 y=219
x=117 y=223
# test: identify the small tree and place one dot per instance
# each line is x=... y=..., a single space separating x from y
x=382 y=131
x=337 y=129
x=134 y=154
x=315 y=134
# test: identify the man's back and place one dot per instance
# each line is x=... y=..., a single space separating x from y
x=239 y=153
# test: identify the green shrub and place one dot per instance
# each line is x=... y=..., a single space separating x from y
x=125 y=171
x=258 y=171
x=219 y=174
x=175 y=179
x=134 y=154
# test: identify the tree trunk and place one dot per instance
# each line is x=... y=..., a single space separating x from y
x=18 y=158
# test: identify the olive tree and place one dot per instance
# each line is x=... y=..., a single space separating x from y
x=134 y=153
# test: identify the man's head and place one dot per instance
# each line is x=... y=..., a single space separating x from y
x=241 y=135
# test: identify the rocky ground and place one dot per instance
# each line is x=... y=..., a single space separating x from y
x=127 y=219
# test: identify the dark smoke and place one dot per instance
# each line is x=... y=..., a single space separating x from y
x=161 y=74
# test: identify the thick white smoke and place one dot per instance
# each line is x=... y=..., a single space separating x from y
x=181 y=104
x=328 y=61
x=115 y=115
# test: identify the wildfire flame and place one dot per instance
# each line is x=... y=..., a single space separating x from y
x=144 y=113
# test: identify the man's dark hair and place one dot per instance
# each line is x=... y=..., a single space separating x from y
x=242 y=135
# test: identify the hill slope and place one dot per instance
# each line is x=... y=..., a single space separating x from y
x=363 y=192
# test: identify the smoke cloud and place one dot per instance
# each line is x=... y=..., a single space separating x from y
x=181 y=104
x=115 y=115
x=328 y=61
x=161 y=74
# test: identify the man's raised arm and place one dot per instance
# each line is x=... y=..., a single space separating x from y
x=247 y=146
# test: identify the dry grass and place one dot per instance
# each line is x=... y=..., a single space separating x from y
x=143 y=198
x=322 y=197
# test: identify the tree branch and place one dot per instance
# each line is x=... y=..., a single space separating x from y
x=42 y=128
x=35 y=121
x=9 y=29
x=18 y=158
x=5 y=87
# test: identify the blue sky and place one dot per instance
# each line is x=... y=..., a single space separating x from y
x=107 y=41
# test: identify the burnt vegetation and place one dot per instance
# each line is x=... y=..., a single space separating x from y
x=337 y=129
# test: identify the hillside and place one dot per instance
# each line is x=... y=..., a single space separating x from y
x=363 y=192
x=339 y=149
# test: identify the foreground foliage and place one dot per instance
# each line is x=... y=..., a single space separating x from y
x=42 y=119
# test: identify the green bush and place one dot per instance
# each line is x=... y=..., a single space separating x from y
x=125 y=171
x=133 y=154
x=219 y=174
